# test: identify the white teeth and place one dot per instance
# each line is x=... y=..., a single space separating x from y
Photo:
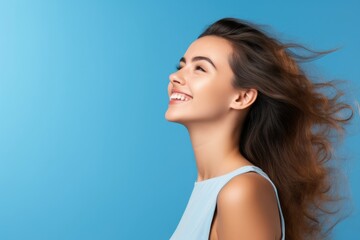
x=179 y=96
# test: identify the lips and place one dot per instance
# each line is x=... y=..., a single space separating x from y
x=178 y=91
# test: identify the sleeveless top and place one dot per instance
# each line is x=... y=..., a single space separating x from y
x=195 y=222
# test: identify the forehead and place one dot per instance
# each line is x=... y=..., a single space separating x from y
x=216 y=48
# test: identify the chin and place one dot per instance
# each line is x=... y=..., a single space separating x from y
x=170 y=117
x=173 y=117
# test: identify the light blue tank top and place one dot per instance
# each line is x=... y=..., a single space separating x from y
x=196 y=221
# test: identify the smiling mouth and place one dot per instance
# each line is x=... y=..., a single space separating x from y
x=179 y=97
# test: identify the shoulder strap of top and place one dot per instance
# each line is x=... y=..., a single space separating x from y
x=258 y=170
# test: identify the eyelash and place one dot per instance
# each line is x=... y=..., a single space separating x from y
x=197 y=67
x=178 y=67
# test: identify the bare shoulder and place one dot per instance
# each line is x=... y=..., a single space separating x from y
x=247 y=187
x=247 y=209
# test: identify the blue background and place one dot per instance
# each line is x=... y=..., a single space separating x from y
x=86 y=152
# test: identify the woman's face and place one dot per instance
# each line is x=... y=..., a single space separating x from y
x=206 y=76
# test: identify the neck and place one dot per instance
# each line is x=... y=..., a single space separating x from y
x=216 y=148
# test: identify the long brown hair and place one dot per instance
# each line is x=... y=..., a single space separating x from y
x=288 y=130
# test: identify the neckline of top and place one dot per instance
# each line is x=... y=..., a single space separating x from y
x=197 y=183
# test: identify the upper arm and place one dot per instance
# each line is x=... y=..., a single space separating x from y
x=247 y=209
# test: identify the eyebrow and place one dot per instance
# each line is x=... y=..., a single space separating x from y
x=199 y=58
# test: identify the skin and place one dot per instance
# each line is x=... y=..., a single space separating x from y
x=246 y=206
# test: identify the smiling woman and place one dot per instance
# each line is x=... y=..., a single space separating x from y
x=251 y=112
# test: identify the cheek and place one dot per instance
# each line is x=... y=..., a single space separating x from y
x=212 y=97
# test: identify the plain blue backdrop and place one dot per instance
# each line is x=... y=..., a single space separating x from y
x=85 y=150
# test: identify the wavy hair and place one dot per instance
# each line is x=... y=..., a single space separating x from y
x=289 y=128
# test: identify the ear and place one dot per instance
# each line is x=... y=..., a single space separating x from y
x=244 y=98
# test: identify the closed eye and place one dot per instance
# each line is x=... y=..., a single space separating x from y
x=199 y=68
x=178 y=67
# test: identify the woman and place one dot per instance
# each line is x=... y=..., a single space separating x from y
x=260 y=130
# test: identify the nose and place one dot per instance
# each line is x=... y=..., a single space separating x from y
x=176 y=78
